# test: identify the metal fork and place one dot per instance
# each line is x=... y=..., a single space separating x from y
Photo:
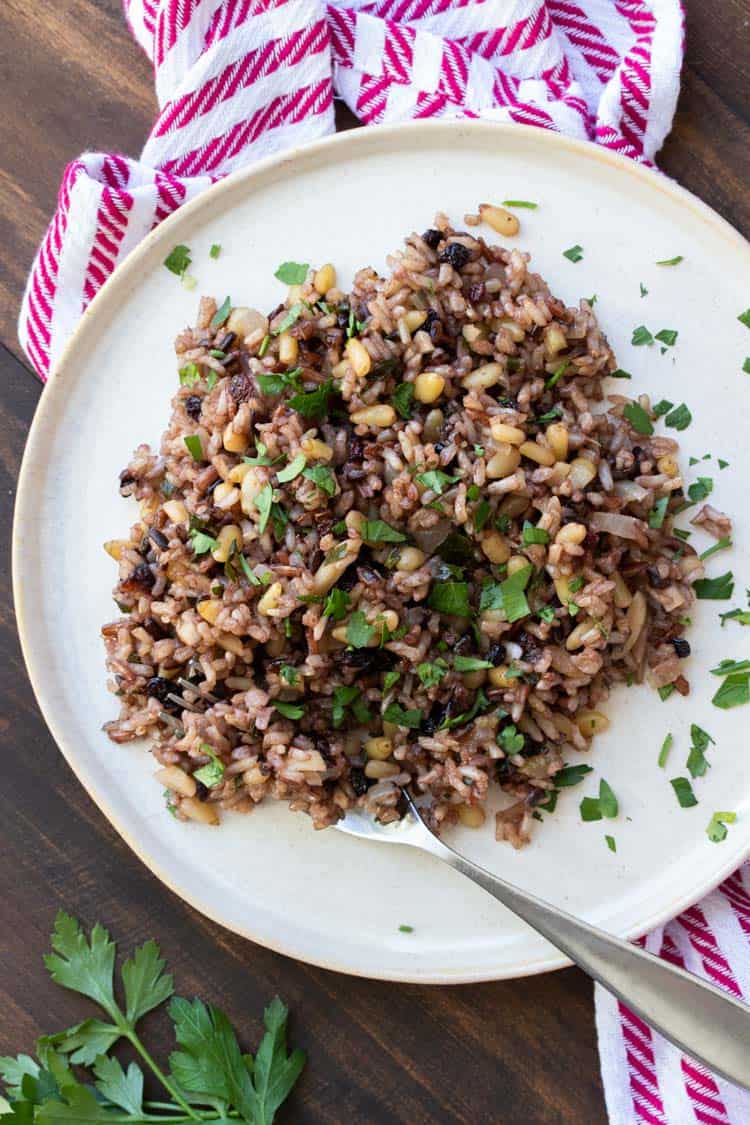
x=698 y=1018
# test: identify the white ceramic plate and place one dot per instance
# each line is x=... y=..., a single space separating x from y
x=322 y=896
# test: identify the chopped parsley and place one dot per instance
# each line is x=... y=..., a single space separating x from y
x=570 y=775
x=293 y=469
x=741 y=615
x=221 y=314
x=546 y=614
x=700 y=489
x=321 y=476
x=390 y=679
x=436 y=480
x=289 y=710
x=402 y=400
x=312 y=404
x=679 y=418
x=481 y=515
x=343 y=697
x=558 y=373
x=717 y=826
x=520 y=203
x=697 y=763
x=643 y=289
x=715 y=589
x=662 y=407
x=666 y=746
x=212 y=774
x=665 y=692
x=178 y=260
x=430 y=675
x=401 y=718
x=289 y=674
x=720 y=545
x=292 y=316
x=264 y=345
x=638 y=418
x=683 y=791
x=193 y=444
x=722 y=464
x=727 y=667
x=671 y=261
x=511 y=740
x=744 y=318
x=574 y=253
x=605 y=805
x=292 y=273
x=618 y=373
x=531 y=534
x=641 y=336
x=733 y=692
x=470 y=664
x=611 y=843
x=215 y=250
x=189 y=375
x=746 y=365
x=451 y=598
x=359 y=631
x=262 y=456
x=378 y=531
x=405 y=929
x=263 y=503
x=658 y=512
x=667 y=336
x=274 y=384
x=336 y=604
x=201 y=542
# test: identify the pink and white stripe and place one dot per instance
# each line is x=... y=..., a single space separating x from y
x=241 y=79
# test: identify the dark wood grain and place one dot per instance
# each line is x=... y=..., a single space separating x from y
x=512 y=1052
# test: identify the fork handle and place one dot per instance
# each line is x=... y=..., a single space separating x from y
x=706 y=1023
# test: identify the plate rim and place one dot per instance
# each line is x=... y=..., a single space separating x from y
x=106 y=300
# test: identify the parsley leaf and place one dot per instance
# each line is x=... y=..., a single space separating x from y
x=221 y=313
x=666 y=746
x=430 y=675
x=531 y=534
x=292 y=273
x=178 y=260
x=667 y=336
x=343 y=696
x=658 y=512
x=289 y=710
x=618 y=373
x=378 y=531
x=570 y=775
x=402 y=399
x=671 y=261
x=213 y=772
x=189 y=375
x=700 y=489
x=744 y=318
x=720 y=545
x=359 y=631
x=292 y=470
x=715 y=589
x=450 y=597
x=436 y=480
x=336 y=604
x=194 y=446
x=263 y=504
x=733 y=692
x=641 y=336
x=401 y=718
x=215 y=250
x=638 y=418
x=312 y=404
x=292 y=316
x=717 y=826
x=470 y=664
x=611 y=843
x=201 y=542
x=574 y=253
x=683 y=791
x=323 y=477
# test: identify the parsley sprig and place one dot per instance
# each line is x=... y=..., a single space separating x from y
x=208 y=1070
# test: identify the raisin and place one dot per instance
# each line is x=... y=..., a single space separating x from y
x=225 y=343
x=240 y=387
x=360 y=784
x=160 y=540
x=127 y=480
x=143 y=575
x=159 y=688
x=201 y=790
x=433 y=238
x=681 y=647
x=476 y=291
x=437 y=715
x=455 y=254
x=193 y=406
x=656 y=579
x=342 y=316
x=530 y=647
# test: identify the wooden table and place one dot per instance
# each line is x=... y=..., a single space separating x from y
x=513 y=1052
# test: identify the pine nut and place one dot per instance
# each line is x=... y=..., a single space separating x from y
x=495 y=547
x=176 y=511
x=234 y=442
x=245 y=321
x=433 y=424
x=499 y=219
x=414 y=319
x=113 y=547
x=225 y=495
x=555 y=340
x=539 y=453
x=504 y=434
x=668 y=465
x=590 y=723
x=358 y=356
x=315 y=450
x=229 y=537
x=571 y=533
x=209 y=609
x=377 y=417
x=378 y=748
x=379 y=770
x=471 y=816
x=410 y=559
x=288 y=348
x=513 y=328
x=172 y=777
x=239 y=472
x=504 y=462
x=354 y=521
x=253 y=776
x=557 y=436
x=231 y=643
x=252 y=483
x=582 y=472
x=562 y=589
x=204 y=812
x=498 y=678
x=329 y=573
x=474 y=680
x=428 y=386
x=622 y=595
x=270 y=600
x=324 y=279
x=485 y=376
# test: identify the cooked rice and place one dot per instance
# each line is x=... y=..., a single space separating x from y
x=205 y=650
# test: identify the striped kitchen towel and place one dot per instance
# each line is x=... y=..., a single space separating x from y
x=241 y=79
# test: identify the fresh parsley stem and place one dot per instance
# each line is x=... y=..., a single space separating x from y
x=194 y=1115
x=205 y=1115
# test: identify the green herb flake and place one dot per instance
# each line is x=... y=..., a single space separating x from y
x=215 y=250
x=715 y=589
x=291 y=318
x=546 y=614
x=402 y=400
x=744 y=318
x=264 y=346
x=390 y=679
x=401 y=718
x=643 y=289
x=746 y=365
x=313 y=404
x=405 y=929
x=322 y=477
x=727 y=667
x=734 y=692
x=683 y=791
x=336 y=604
x=289 y=674
x=716 y=829
x=513 y=596
x=189 y=375
x=722 y=464
x=525 y=203
x=590 y=809
x=671 y=261
x=667 y=336
x=202 y=543
x=221 y=314
x=720 y=545
x=378 y=531
x=430 y=675
x=611 y=843
x=263 y=503
x=665 y=692
x=700 y=489
x=618 y=373
x=481 y=515
x=450 y=597
x=570 y=775
x=293 y=469
x=470 y=664
x=359 y=631
x=178 y=260
x=662 y=407
x=292 y=273
x=511 y=740
x=557 y=375
x=289 y=710
x=531 y=535
x=212 y=774
x=742 y=616
x=574 y=253
x=194 y=447
x=638 y=418
x=658 y=512
x=641 y=336
x=436 y=480
x=666 y=746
